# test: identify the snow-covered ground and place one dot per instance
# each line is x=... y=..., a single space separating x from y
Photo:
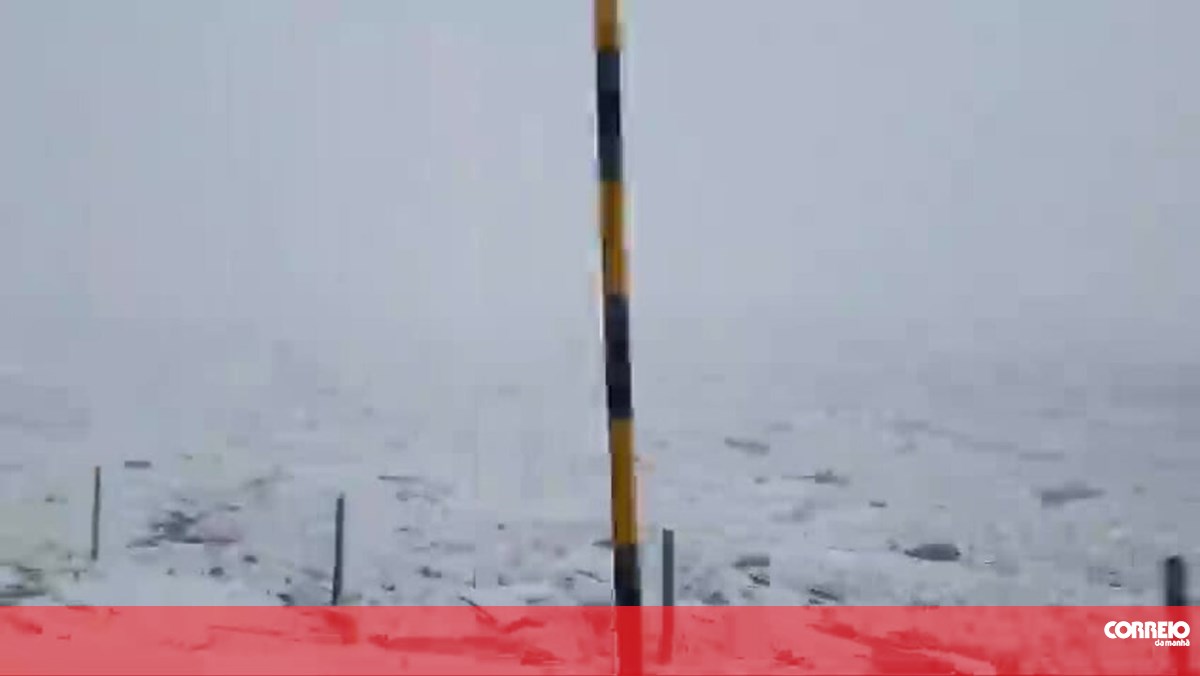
x=486 y=482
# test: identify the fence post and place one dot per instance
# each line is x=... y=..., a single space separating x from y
x=666 y=644
x=338 y=548
x=668 y=567
x=1175 y=588
x=1175 y=579
x=96 y=492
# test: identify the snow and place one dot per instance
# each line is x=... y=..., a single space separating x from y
x=490 y=486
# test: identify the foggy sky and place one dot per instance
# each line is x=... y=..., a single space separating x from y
x=934 y=172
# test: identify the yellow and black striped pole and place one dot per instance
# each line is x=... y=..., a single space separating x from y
x=627 y=583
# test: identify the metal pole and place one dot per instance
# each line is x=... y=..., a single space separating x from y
x=1175 y=581
x=1175 y=593
x=668 y=564
x=666 y=644
x=627 y=584
x=338 y=553
x=96 y=492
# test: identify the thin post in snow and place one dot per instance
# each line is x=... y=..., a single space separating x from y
x=338 y=548
x=96 y=493
x=1175 y=581
x=1175 y=591
x=666 y=644
x=668 y=567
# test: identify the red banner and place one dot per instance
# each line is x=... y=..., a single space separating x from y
x=465 y=640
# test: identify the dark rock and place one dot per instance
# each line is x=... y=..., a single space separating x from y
x=31 y=585
x=756 y=567
x=10 y=594
x=936 y=551
x=250 y=558
x=429 y=573
x=175 y=526
x=878 y=504
x=216 y=571
x=1099 y=575
x=1069 y=492
x=823 y=595
x=412 y=495
x=287 y=599
x=603 y=544
x=748 y=446
x=138 y=464
x=716 y=598
x=747 y=561
x=389 y=587
x=417 y=489
x=400 y=478
x=827 y=477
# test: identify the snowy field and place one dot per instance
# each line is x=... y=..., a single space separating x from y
x=785 y=483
